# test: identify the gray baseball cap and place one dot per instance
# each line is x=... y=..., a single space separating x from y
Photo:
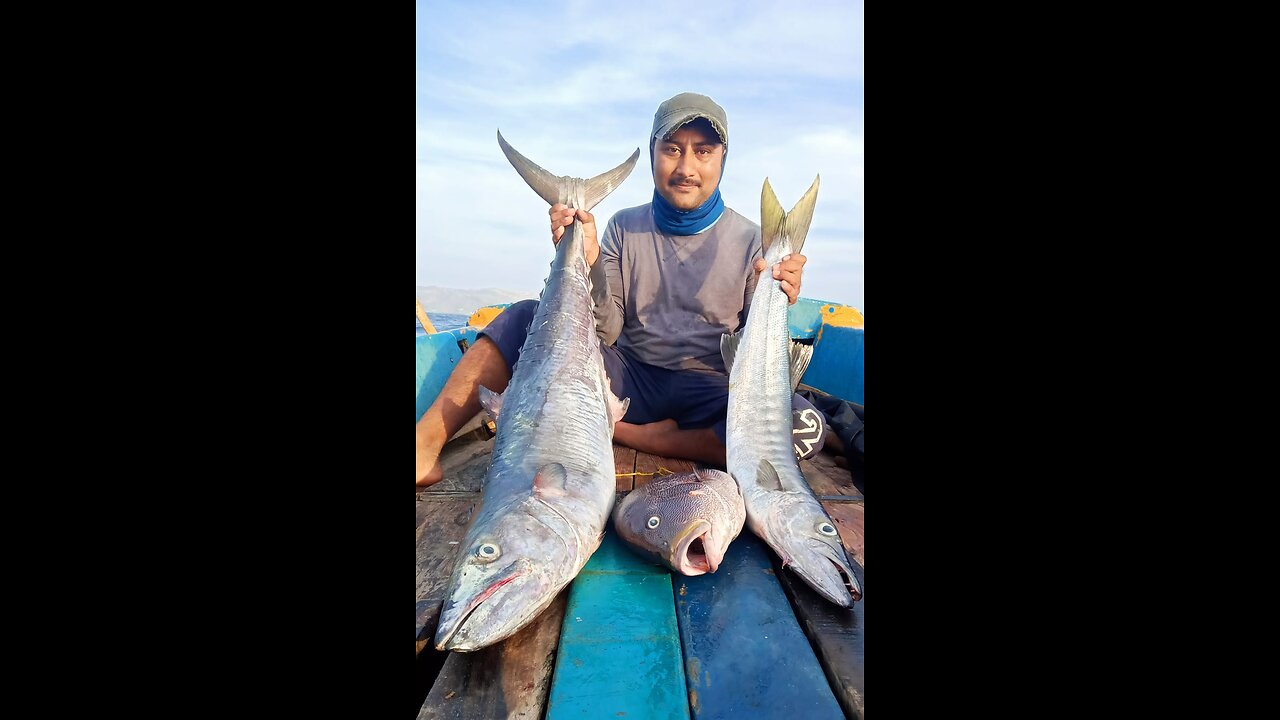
x=674 y=113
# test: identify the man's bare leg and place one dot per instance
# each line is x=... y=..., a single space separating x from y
x=458 y=402
x=665 y=438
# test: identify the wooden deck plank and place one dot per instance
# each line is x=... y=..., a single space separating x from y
x=442 y=524
x=836 y=635
x=443 y=512
x=619 y=654
x=646 y=466
x=624 y=464
x=745 y=653
x=506 y=680
x=465 y=462
x=826 y=478
x=848 y=519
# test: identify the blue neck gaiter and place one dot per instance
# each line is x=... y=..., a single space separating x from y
x=676 y=222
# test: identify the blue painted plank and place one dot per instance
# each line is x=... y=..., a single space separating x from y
x=619 y=654
x=745 y=654
x=837 y=364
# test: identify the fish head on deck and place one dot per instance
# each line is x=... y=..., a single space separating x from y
x=514 y=561
x=803 y=536
x=686 y=520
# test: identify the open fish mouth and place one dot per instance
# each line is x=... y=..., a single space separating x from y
x=850 y=584
x=446 y=634
x=691 y=550
x=839 y=587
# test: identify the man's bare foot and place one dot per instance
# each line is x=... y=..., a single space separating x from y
x=433 y=475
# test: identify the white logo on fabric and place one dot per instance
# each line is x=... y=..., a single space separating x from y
x=811 y=424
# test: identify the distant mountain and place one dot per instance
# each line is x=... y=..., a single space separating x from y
x=465 y=302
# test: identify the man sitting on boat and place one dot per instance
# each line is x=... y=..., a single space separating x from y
x=669 y=278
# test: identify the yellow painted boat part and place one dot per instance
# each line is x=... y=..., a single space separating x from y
x=483 y=316
x=422 y=318
x=841 y=316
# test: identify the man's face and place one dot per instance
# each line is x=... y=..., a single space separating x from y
x=686 y=167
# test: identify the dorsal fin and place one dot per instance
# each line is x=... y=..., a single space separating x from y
x=728 y=350
x=801 y=354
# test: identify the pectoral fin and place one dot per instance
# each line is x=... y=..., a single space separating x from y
x=617 y=408
x=550 y=480
x=767 y=476
x=491 y=402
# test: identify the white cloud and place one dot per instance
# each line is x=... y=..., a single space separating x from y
x=573 y=86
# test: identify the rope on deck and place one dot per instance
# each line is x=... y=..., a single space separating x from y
x=660 y=471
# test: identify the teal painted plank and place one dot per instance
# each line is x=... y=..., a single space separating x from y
x=745 y=653
x=466 y=333
x=438 y=354
x=837 y=364
x=619 y=654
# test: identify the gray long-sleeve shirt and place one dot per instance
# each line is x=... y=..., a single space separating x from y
x=666 y=299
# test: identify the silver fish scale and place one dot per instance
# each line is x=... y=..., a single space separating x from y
x=759 y=414
x=529 y=537
x=555 y=410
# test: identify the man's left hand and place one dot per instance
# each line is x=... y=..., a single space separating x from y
x=788 y=272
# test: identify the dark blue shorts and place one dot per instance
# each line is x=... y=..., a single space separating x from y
x=693 y=398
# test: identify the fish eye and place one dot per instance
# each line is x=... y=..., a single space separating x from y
x=826 y=529
x=654 y=522
x=487 y=551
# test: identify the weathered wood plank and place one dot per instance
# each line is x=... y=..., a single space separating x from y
x=745 y=653
x=464 y=462
x=848 y=519
x=855 y=465
x=646 y=466
x=619 y=654
x=443 y=513
x=624 y=464
x=506 y=680
x=442 y=524
x=837 y=637
x=826 y=477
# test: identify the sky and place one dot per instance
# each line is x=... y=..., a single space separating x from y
x=573 y=85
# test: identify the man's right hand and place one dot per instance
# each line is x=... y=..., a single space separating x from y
x=562 y=216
